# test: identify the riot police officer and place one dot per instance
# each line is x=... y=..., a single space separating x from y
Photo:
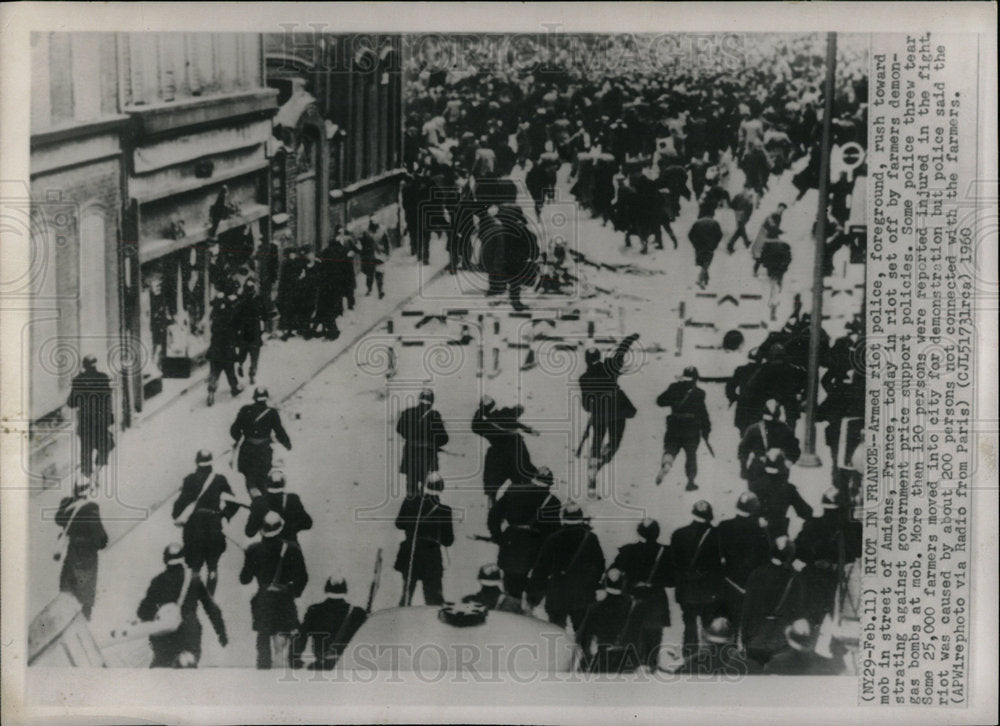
x=251 y=432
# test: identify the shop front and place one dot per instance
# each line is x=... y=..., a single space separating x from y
x=199 y=227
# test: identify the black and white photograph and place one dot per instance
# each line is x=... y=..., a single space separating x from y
x=541 y=356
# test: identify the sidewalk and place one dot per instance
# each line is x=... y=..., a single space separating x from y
x=152 y=458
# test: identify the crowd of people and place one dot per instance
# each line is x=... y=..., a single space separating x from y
x=302 y=296
x=638 y=140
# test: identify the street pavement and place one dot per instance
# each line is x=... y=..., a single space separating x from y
x=341 y=419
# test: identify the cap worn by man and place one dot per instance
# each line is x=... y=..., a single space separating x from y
x=203 y=457
x=260 y=394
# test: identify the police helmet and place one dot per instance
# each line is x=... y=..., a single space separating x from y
x=748 y=503
x=649 y=529
x=490 y=575
x=273 y=524
x=614 y=581
x=173 y=554
x=720 y=631
x=434 y=482
x=702 y=510
x=335 y=585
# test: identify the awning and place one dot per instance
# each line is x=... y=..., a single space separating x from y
x=152 y=249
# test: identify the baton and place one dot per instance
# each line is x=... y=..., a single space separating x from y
x=376 y=580
x=586 y=435
x=709 y=447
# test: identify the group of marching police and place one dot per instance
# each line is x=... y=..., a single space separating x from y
x=751 y=598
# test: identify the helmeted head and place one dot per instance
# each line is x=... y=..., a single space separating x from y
x=774 y=461
x=490 y=576
x=614 y=581
x=82 y=486
x=831 y=498
x=487 y=403
x=783 y=550
x=772 y=410
x=260 y=394
x=89 y=362
x=702 y=511
x=434 y=484
x=748 y=504
x=544 y=476
x=691 y=373
x=649 y=529
x=203 y=458
x=173 y=554
x=572 y=513
x=799 y=635
x=335 y=585
x=591 y=355
x=276 y=479
x=426 y=397
x=720 y=631
x=273 y=524
x=186 y=659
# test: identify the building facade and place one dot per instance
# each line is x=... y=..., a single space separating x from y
x=76 y=188
x=197 y=183
x=338 y=132
x=148 y=164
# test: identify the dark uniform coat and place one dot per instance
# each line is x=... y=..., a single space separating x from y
x=648 y=578
x=609 y=637
x=698 y=570
x=600 y=393
x=569 y=568
x=85 y=536
x=428 y=527
x=521 y=540
x=287 y=504
x=744 y=545
x=166 y=588
x=254 y=425
x=273 y=607
x=766 y=589
x=331 y=624
x=203 y=537
x=776 y=495
x=508 y=456
x=688 y=420
x=705 y=236
x=90 y=394
x=820 y=544
x=764 y=435
x=423 y=434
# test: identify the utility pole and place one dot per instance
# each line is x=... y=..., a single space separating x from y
x=809 y=457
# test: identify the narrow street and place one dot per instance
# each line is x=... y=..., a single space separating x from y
x=342 y=421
